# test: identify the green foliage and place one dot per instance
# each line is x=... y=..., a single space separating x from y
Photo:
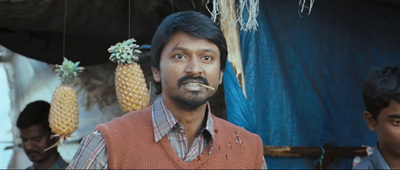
x=125 y=52
x=68 y=71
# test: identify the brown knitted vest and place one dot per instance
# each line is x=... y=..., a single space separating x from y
x=131 y=144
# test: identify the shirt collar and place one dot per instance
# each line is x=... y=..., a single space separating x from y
x=377 y=159
x=164 y=121
x=59 y=164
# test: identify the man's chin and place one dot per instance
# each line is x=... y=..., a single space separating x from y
x=34 y=157
x=190 y=102
x=194 y=104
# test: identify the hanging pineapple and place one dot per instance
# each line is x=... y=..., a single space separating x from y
x=130 y=84
x=63 y=117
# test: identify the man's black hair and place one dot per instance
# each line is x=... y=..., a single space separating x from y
x=35 y=113
x=382 y=86
x=192 y=23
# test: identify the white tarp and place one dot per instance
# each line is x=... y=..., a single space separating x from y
x=29 y=80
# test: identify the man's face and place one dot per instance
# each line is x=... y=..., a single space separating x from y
x=387 y=127
x=34 y=140
x=186 y=60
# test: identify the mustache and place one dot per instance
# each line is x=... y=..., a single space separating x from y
x=190 y=77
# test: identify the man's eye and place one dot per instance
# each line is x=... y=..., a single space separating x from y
x=179 y=56
x=208 y=58
x=397 y=122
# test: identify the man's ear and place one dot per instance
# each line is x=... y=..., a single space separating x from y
x=371 y=122
x=156 y=74
x=54 y=139
x=221 y=74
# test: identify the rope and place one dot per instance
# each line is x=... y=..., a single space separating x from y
x=129 y=20
x=321 y=157
x=65 y=25
x=252 y=7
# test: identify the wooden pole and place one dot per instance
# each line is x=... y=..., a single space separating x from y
x=230 y=30
x=289 y=151
x=326 y=154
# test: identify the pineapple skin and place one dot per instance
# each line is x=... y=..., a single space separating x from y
x=64 y=115
x=130 y=86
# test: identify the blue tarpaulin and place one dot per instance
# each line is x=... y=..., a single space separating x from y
x=304 y=74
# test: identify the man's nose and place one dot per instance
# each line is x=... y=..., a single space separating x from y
x=194 y=67
x=28 y=145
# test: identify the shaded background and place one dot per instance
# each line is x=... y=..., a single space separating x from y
x=35 y=28
x=304 y=74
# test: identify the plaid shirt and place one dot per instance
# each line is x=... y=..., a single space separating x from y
x=92 y=153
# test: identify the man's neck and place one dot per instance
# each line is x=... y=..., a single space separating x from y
x=391 y=157
x=190 y=119
x=48 y=163
x=393 y=162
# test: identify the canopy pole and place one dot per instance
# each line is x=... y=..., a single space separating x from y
x=230 y=30
x=293 y=151
x=327 y=154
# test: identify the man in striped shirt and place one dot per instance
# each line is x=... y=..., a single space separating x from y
x=188 y=60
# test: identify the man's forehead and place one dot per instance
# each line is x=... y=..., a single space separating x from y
x=182 y=37
x=182 y=46
x=35 y=130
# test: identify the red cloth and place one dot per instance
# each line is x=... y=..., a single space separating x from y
x=131 y=144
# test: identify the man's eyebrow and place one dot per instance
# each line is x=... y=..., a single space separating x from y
x=31 y=137
x=208 y=50
x=176 y=48
x=36 y=136
x=176 y=45
x=395 y=116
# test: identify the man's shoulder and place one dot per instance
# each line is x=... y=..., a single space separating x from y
x=365 y=164
x=128 y=119
x=60 y=164
x=224 y=123
x=30 y=167
x=373 y=161
x=132 y=115
x=226 y=126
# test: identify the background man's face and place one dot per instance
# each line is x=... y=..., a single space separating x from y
x=387 y=128
x=34 y=140
x=185 y=60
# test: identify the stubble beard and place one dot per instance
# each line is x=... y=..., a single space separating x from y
x=190 y=102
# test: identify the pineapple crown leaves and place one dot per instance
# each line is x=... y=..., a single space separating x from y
x=125 y=52
x=68 y=71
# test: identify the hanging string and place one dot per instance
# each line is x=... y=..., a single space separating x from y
x=252 y=7
x=129 y=20
x=65 y=24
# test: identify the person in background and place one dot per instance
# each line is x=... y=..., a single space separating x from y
x=381 y=95
x=35 y=133
x=178 y=131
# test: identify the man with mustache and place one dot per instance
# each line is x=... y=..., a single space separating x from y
x=35 y=133
x=188 y=55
